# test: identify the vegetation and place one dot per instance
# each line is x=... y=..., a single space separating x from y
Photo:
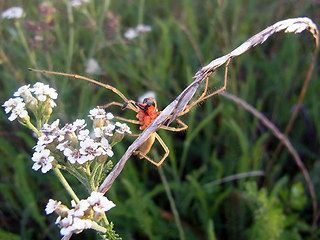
x=187 y=197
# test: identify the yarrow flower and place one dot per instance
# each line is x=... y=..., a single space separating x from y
x=13 y=12
x=42 y=160
x=52 y=206
x=97 y=113
x=122 y=128
x=99 y=202
x=44 y=92
x=132 y=33
x=77 y=3
x=24 y=101
x=82 y=215
x=17 y=108
x=104 y=131
x=93 y=67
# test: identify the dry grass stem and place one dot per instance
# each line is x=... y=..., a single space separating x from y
x=283 y=138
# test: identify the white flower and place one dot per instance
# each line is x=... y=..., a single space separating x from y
x=122 y=128
x=45 y=140
x=66 y=225
x=77 y=3
x=13 y=12
x=67 y=129
x=89 y=148
x=81 y=224
x=83 y=134
x=130 y=34
x=79 y=208
x=52 y=205
x=52 y=103
x=104 y=131
x=72 y=224
x=25 y=93
x=93 y=67
x=79 y=124
x=74 y=156
x=39 y=147
x=62 y=146
x=47 y=128
x=104 y=148
x=43 y=92
x=99 y=202
x=143 y=28
x=11 y=103
x=19 y=111
x=42 y=160
x=97 y=113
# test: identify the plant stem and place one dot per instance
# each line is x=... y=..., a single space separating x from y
x=25 y=44
x=172 y=203
x=66 y=184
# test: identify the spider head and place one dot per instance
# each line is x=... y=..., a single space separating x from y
x=147 y=102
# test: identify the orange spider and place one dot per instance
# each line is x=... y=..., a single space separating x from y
x=147 y=112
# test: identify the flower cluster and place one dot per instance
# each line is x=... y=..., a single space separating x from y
x=83 y=215
x=27 y=97
x=132 y=33
x=13 y=12
x=72 y=148
x=78 y=3
x=76 y=143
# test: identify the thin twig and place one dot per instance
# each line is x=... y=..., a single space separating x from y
x=297 y=107
x=234 y=177
x=172 y=203
x=276 y=132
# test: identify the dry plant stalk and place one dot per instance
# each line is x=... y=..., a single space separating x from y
x=285 y=141
x=176 y=107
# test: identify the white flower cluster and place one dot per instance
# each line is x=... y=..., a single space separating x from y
x=132 y=33
x=77 y=3
x=13 y=12
x=93 y=67
x=24 y=98
x=82 y=216
x=75 y=141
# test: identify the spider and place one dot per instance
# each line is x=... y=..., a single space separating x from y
x=146 y=112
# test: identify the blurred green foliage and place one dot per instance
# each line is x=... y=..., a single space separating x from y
x=222 y=139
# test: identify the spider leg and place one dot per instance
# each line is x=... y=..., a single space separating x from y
x=113 y=89
x=203 y=95
x=129 y=104
x=121 y=105
x=182 y=126
x=143 y=153
x=127 y=120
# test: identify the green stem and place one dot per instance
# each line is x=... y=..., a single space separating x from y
x=95 y=175
x=81 y=175
x=172 y=203
x=66 y=185
x=94 y=44
x=29 y=125
x=105 y=219
x=140 y=12
x=25 y=44
x=71 y=36
x=97 y=227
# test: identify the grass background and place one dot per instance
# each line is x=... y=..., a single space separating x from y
x=222 y=139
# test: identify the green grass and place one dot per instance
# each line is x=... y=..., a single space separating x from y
x=222 y=139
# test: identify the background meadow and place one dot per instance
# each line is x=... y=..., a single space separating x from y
x=189 y=197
